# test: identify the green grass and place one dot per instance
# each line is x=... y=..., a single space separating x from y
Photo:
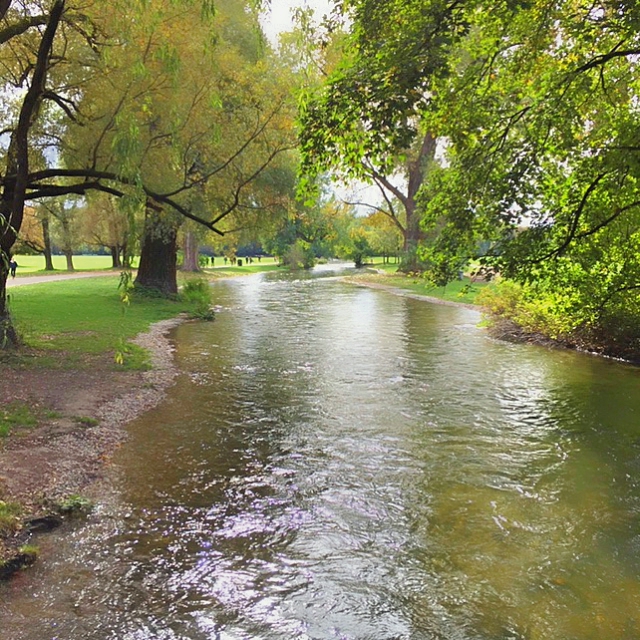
x=9 y=517
x=14 y=415
x=85 y=316
x=35 y=264
x=463 y=291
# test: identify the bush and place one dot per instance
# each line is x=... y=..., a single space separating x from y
x=197 y=294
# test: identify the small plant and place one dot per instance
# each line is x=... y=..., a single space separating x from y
x=16 y=415
x=75 y=504
x=9 y=517
x=30 y=552
x=197 y=293
x=86 y=421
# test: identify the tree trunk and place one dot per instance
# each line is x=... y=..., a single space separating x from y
x=190 y=249
x=46 y=234
x=68 y=254
x=115 y=257
x=8 y=335
x=16 y=171
x=413 y=234
x=158 y=255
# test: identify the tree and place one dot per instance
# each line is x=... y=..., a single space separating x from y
x=60 y=55
x=369 y=120
x=15 y=171
x=383 y=236
x=106 y=223
x=47 y=50
x=542 y=181
x=166 y=122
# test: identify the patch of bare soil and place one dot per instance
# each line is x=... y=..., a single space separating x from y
x=82 y=417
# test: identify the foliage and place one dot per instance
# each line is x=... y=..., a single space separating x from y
x=197 y=293
x=299 y=255
x=74 y=504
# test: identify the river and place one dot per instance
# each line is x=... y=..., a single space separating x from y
x=337 y=462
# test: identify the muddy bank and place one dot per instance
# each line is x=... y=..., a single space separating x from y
x=82 y=415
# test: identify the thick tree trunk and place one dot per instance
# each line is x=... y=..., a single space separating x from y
x=48 y=258
x=413 y=234
x=158 y=255
x=190 y=250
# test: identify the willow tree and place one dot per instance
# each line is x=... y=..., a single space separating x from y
x=48 y=51
x=188 y=113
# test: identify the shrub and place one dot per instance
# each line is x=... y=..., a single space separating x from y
x=196 y=292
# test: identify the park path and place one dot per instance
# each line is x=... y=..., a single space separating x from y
x=23 y=280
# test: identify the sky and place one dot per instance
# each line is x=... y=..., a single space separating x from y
x=278 y=18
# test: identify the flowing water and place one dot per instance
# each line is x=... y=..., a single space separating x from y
x=338 y=462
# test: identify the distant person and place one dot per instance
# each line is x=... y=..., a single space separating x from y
x=13 y=265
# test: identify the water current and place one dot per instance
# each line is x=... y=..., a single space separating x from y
x=337 y=462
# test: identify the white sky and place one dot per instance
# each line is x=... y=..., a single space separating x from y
x=278 y=18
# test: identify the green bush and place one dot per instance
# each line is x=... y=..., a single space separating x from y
x=196 y=292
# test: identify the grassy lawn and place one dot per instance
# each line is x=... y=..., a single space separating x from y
x=85 y=316
x=465 y=290
x=29 y=265
x=34 y=265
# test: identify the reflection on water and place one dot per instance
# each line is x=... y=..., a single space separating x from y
x=338 y=462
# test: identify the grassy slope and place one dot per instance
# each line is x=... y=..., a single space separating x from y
x=84 y=317
x=464 y=291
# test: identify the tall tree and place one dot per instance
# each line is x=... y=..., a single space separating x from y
x=368 y=121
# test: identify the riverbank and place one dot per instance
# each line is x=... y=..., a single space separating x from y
x=80 y=378
x=468 y=294
x=81 y=420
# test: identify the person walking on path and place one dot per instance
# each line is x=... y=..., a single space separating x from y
x=13 y=265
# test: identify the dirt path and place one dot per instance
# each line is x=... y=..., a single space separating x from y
x=73 y=275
